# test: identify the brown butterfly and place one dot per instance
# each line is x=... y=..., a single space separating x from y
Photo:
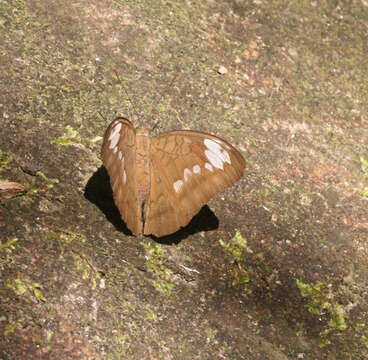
x=159 y=184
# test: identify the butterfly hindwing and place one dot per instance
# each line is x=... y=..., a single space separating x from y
x=187 y=168
x=119 y=158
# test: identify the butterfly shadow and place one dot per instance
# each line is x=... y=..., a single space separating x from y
x=205 y=220
x=98 y=191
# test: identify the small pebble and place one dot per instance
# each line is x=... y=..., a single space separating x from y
x=222 y=70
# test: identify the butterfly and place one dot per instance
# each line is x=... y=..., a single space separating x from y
x=160 y=183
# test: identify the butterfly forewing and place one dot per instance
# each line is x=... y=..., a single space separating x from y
x=119 y=158
x=187 y=168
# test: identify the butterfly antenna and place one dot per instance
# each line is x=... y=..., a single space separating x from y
x=124 y=89
x=175 y=77
x=99 y=113
x=172 y=81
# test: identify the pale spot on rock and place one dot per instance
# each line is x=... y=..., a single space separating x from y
x=187 y=173
x=222 y=70
x=178 y=185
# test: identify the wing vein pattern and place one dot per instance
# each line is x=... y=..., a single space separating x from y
x=187 y=169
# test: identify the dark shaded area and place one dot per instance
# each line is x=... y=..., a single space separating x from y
x=205 y=220
x=99 y=192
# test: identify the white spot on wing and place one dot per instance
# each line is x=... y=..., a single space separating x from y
x=115 y=149
x=178 y=185
x=187 y=173
x=226 y=157
x=208 y=166
x=212 y=145
x=114 y=139
x=115 y=130
x=196 y=169
x=215 y=147
x=214 y=159
x=120 y=155
x=124 y=177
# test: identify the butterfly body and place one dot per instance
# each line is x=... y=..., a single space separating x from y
x=159 y=184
